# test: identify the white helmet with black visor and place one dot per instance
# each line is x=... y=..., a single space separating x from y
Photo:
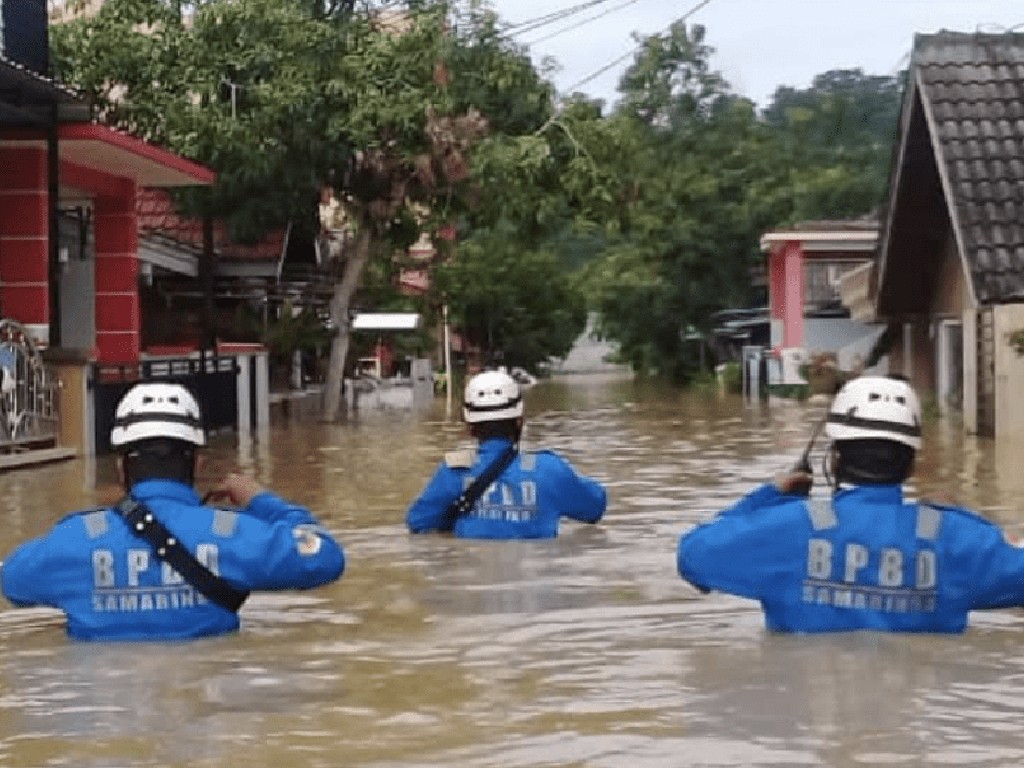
x=875 y=407
x=491 y=396
x=157 y=410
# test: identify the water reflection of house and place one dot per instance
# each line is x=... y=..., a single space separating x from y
x=950 y=272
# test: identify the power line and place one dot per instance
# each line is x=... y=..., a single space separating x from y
x=531 y=25
x=620 y=59
x=580 y=23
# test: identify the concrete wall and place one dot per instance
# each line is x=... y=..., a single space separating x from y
x=1009 y=372
x=913 y=356
x=849 y=339
x=970 y=408
x=78 y=304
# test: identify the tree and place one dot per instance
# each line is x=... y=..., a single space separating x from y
x=686 y=153
x=835 y=141
x=279 y=99
x=239 y=89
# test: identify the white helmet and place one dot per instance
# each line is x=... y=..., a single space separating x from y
x=875 y=407
x=157 y=410
x=491 y=396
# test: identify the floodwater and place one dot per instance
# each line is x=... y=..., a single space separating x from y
x=583 y=651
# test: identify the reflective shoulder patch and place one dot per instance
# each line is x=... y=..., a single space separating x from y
x=82 y=513
x=95 y=523
x=823 y=516
x=307 y=540
x=929 y=519
x=224 y=522
x=463 y=459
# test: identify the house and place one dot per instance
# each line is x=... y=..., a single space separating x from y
x=806 y=265
x=950 y=270
x=71 y=277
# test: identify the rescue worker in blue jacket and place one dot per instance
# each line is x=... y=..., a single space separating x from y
x=864 y=558
x=113 y=584
x=527 y=498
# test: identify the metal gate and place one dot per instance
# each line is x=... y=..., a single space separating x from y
x=986 y=373
x=211 y=379
x=29 y=414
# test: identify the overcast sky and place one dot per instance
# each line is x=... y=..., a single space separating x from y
x=759 y=44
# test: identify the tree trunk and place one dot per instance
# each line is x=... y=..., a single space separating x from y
x=340 y=303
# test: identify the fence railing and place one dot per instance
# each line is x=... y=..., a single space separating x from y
x=29 y=392
x=210 y=377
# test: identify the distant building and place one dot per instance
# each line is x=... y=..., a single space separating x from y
x=806 y=266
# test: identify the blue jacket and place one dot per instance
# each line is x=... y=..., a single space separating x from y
x=861 y=560
x=525 y=502
x=111 y=585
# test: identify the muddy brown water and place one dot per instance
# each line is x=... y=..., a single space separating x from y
x=583 y=651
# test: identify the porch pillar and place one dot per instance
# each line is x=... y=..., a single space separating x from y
x=793 y=260
x=25 y=238
x=786 y=294
x=118 y=317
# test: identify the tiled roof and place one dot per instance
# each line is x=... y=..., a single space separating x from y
x=157 y=216
x=972 y=88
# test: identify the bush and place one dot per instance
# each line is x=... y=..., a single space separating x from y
x=730 y=377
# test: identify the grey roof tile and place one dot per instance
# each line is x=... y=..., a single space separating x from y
x=973 y=87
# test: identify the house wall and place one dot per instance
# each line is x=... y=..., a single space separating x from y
x=25 y=238
x=913 y=355
x=1009 y=371
x=970 y=326
x=950 y=297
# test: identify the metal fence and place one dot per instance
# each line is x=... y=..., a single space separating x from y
x=211 y=378
x=29 y=411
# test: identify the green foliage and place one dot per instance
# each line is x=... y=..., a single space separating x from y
x=650 y=214
x=293 y=331
x=517 y=306
x=698 y=176
x=1016 y=340
x=732 y=377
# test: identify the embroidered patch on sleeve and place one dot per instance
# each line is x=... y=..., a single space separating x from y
x=307 y=541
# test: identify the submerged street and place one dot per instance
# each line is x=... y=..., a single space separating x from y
x=587 y=650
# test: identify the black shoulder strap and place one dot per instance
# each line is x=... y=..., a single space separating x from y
x=469 y=497
x=144 y=524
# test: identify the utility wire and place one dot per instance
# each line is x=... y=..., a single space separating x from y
x=615 y=62
x=530 y=25
x=580 y=23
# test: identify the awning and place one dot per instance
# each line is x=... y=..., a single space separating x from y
x=112 y=152
x=386 y=321
x=852 y=241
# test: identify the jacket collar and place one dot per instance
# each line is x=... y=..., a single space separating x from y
x=171 y=490
x=493 y=446
x=872 y=494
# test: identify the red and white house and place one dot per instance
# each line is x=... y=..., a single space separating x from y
x=103 y=171
x=806 y=266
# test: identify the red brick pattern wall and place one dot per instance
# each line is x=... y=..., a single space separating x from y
x=24 y=235
x=118 y=316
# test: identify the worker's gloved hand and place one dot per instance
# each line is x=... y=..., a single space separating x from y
x=795 y=483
